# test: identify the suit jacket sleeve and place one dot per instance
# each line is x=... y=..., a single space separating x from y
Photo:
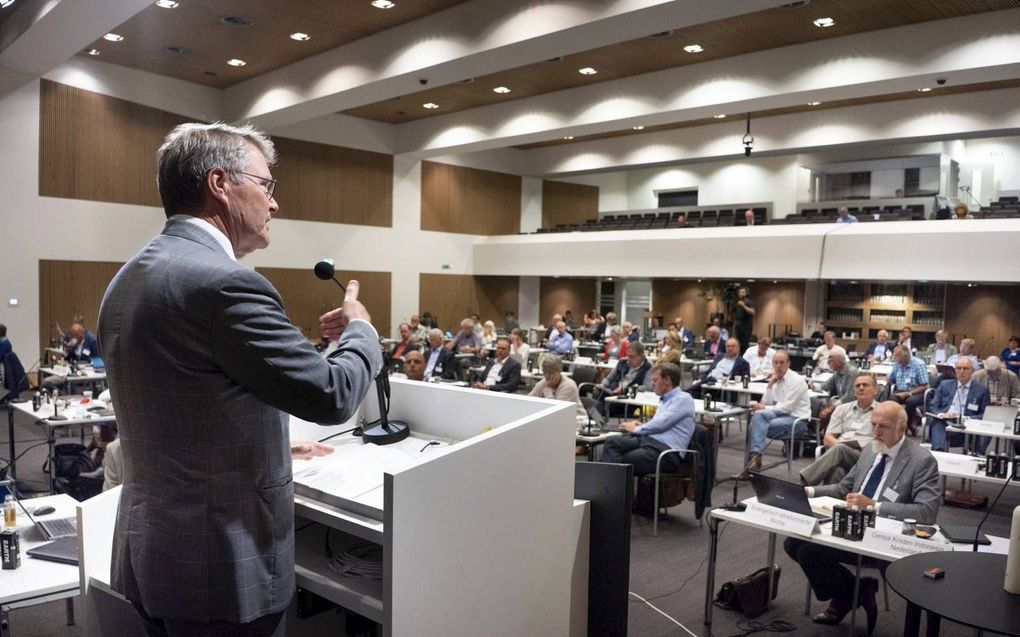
x=925 y=496
x=264 y=353
x=741 y=368
x=943 y=397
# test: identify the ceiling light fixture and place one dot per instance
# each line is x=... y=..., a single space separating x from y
x=825 y=23
x=693 y=48
x=93 y=52
x=926 y=89
x=720 y=116
x=167 y=4
x=638 y=127
x=814 y=103
x=6 y=3
x=300 y=37
x=502 y=90
x=383 y=4
x=113 y=37
x=568 y=137
x=587 y=71
x=236 y=62
x=430 y=105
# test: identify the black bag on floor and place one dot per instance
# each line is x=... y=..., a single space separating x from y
x=749 y=594
x=71 y=461
x=672 y=490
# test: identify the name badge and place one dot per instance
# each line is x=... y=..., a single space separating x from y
x=972 y=406
x=890 y=495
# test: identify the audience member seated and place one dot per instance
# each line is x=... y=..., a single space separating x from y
x=510 y=322
x=440 y=361
x=825 y=350
x=907 y=383
x=568 y=318
x=670 y=343
x=845 y=216
x=467 y=340
x=631 y=371
x=560 y=342
x=556 y=386
x=5 y=345
x=819 y=332
x=726 y=366
x=966 y=351
x=1011 y=355
x=724 y=333
x=848 y=432
x=407 y=342
x=488 y=334
x=430 y=322
x=941 y=350
x=419 y=330
x=79 y=343
x=785 y=402
x=759 y=358
x=501 y=373
x=894 y=475
x=1003 y=385
x=950 y=400
x=555 y=320
x=616 y=346
x=839 y=388
x=414 y=365
x=630 y=332
x=670 y=428
x=906 y=338
x=962 y=211
x=714 y=343
x=749 y=217
x=685 y=335
x=881 y=349
x=519 y=349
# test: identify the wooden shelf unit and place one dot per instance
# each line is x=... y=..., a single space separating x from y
x=861 y=308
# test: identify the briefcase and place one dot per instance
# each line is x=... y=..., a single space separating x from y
x=672 y=491
x=749 y=594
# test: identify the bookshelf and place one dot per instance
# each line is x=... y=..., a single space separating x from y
x=857 y=311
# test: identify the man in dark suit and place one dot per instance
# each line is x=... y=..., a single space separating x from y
x=501 y=373
x=952 y=399
x=79 y=343
x=204 y=367
x=725 y=367
x=440 y=361
x=632 y=370
x=900 y=480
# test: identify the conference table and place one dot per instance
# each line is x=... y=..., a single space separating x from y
x=991 y=428
x=86 y=375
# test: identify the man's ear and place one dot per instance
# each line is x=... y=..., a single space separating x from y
x=217 y=183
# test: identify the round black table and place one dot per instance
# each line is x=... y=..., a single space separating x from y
x=971 y=592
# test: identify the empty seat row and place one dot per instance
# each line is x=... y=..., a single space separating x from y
x=661 y=220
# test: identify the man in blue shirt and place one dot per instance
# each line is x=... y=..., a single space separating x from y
x=560 y=341
x=909 y=381
x=670 y=428
x=845 y=216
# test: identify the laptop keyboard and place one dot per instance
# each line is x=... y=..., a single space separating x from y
x=56 y=529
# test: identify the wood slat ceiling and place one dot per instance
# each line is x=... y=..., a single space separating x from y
x=739 y=35
x=756 y=115
x=265 y=45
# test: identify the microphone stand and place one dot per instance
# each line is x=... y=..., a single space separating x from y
x=740 y=506
x=977 y=531
x=386 y=432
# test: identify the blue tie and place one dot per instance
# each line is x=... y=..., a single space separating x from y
x=875 y=478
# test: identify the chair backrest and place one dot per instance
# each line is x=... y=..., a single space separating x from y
x=584 y=374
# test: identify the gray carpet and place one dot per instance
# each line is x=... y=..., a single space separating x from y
x=668 y=569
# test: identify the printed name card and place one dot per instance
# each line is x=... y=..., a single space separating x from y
x=956 y=462
x=901 y=545
x=782 y=520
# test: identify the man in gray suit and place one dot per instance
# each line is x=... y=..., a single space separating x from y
x=899 y=479
x=204 y=367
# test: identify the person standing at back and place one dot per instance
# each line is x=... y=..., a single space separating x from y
x=204 y=367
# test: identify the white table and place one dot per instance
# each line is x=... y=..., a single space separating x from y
x=990 y=428
x=958 y=465
x=84 y=376
x=38 y=581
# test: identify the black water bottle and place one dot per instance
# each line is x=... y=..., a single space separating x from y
x=1016 y=424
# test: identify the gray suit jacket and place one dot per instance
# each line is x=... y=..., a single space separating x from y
x=914 y=476
x=203 y=364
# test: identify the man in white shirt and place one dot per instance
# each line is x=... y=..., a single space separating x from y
x=1003 y=385
x=941 y=350
x=786 y=401
x=759 y=357
x=501 y=373
x=418 y=331
x=881 y=349
x=848 y=432
x=827 y=349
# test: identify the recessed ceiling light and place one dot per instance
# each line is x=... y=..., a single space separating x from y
x=236 y=62
x=300 y=37
x=693 y=48
x=167 y=4
x=113 y=37
x=587 y=71
x=926 y=89
x=720 y=116
x=638 y=127
x=825 y=22
x=502 y=90
x=6 y=3
x=383 y=4
x=568 y=137
x=93 y=52
x=813 y=103
x=430 y=105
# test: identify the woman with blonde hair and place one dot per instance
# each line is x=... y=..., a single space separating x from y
x=489 y=334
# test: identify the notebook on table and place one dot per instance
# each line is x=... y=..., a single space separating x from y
x=64 y=550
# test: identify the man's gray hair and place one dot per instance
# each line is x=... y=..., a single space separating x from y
x=992 y=363
x=551 y=364
x=435 y=331
x=637 y=347
x=191 y=150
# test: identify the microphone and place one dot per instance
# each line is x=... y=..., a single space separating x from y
x=977 y=531
x=324 y=270
x=740 y=506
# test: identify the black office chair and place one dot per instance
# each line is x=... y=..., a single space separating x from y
x=15 y=379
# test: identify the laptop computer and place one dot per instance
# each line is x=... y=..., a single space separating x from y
x=1003 y=414
x=64 y=550
x=946 y=370
x=962 y=534
x=58 y=528
x=783 y=494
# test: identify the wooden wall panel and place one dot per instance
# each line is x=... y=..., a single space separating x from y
x=452 y=297
x=468 y=200
x=306 y=298
x=989 y=314
x=557 y=295
x=568 y=203
x=777 y=303
x=99 y=148
x=690 y=300
x=67 y=288
x=318 y=182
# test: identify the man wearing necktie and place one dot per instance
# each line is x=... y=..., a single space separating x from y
x=951 y=399
x=894 y=475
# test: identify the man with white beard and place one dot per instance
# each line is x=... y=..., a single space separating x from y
x=900 y=480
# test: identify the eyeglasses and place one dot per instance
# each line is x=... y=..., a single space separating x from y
x=264 y=182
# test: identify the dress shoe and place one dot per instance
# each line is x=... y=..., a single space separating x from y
x=834 y=614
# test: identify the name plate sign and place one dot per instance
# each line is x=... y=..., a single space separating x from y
x=782 y=520
x=957 y=463
x=901 y=545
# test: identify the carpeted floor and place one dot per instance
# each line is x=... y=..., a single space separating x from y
x=669 y=570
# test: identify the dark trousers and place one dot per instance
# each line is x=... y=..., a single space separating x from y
x=641 y=452
x=743 y=334
x=823 y=566
x=273 y=625
x=911 y=403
